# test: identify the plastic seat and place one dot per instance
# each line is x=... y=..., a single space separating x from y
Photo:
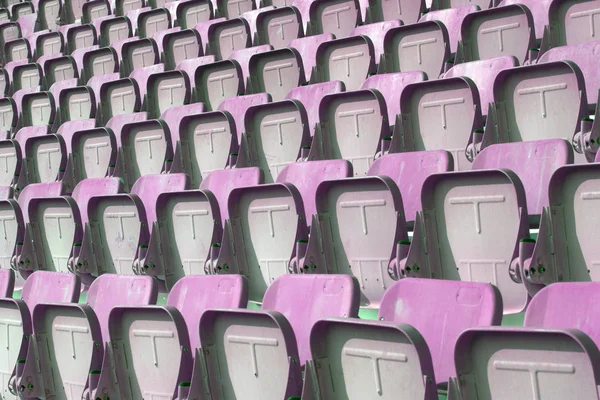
x=572 y=22
x=483 y=73
x=227 y=36
x=451 y=307
x=538 y=362
x=56 y=224
x=48 y=43
x=173 y=117
x=307 y=176
x=122 y=227
x=473 y=210
x=139 y=54
x=311 y=96
x=17 y=50
x=238 y=106
x=279 y=27
x=440 y=115
x=152 y=21
x=498 y=32
x=16 y=315
x=231 y=9
x=543 y=101
x=307 y=47
x=189 y=66
x=119 y=97
x=111 y=29
x=48 y=14
x=354 y=352
x=80 y=37
x=58 y=69
x=276 y=72
x=142 y=75
x=267 y=372
x=203 y=28
x=95 y=9
x=166 y=90
x=391 y=87
x=361 y=231
x=336 y=17
x=222 y=182
x=331 y=296
x=182 y=45
x=37 y=109
x=275 y=134
x=99 y=62
x=420 y=47
x=27 y=76
x=533 y=162
x=452 y=18
x=243 y=58
x=376 y=32
x=572 y=190
x=408 y=11
x=349 y=60
x=218 y=81
x=539 y=10
x=352 y=126
x=76 y=103
x=9 y=31
x=409 y=171
x=188 y=13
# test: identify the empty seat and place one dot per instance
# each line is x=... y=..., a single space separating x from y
x=353 y=353
x=256 y=347
x=152 y=21
x=218 y=81
x=361 y=231
x=141 y=76
x=95 y=9
x=307 y=47
x=110 y=29
x=227 y=36
x=440 y=115
x=47 y=44
x=243 y=57
x=572 y=190
x=307 y=176
x=231 y=9
x=166 y=90
x=310 y=96
x=279 y=27
x=276 y=72
x=376 y=32
x=118 y=97
x=188 y=13
x=59 y=69
x=452 y=18
x=26 y=76
x=336 y=17
x=222 y=182
x=352 y=126
x=331 y=296
x=99 y=62
x=539 y=10
x=498 y=32
x=139 y=54
x=420 y=47
x=203 y=28
x=480 y=219
x=182 y=45
x=173 y=116
x=17 y=50
x=275 y=134
x=190 y=66
x=350 y=60
x=572 y=22
x=409 y=171
x=533 y=162
x=41 y=287
x=440 y=311
x=542 y=101
x=408 y=11
x=483 y=73
x=79 y=36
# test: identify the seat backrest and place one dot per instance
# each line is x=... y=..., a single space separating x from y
x=99 y=62
x=307 y=47
x=215 y=82
x=279 y=27
x=276 y=72
x=227 y=36
x=152 y=21
x=243 y=57
x=349 y=60
x=498 y=32
x=533 y=162
x=587 y=57
x=376 y=32
x=173 y=116
x=165 y=90
x=222 y=182
x=78 y=103
x=539 y=10
x=478 y=220
x=111 y=290
x=119 y=97
x=452 y=18
x=238 y=106
x=311 y=95
x=441 y=310
x=442 y=114
x=193 y=295
x=149 y=187
x=483 y=73
x=419 y=47
x=337 y=18
x=409 y=171
x=141 y=76
x=26 y=76
x=572 y=22
x=542 y=101
x=94 y=187
x=59 y=68
x=182 y=45
x=307 y=176
x=50 y=287
x=191 y=65
x=79 y=36
x=328 y=296
x=51 y=189
x=139 y=54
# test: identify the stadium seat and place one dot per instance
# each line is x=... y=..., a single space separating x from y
x=190 y=66
x=539 y=10
x=78 y=36
x=407 y=11
x=138 y=53
x=307 y=176
x=480 y=220
x=165 y=90
x=376 y=32
x=275 y=72
x=452 y=19
x=307 y=47
x=188 y=13
x=335 y=17
x=215 y=82
x=243 y=57
x=16 y=315
x=118 y=97
x=227 y=36
x=279 y=27
x=572 y=22
x=141 y=76
x=181 y=45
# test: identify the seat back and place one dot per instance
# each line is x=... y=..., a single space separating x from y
x=420 y=47
x=99 y=62
x=149 y=187
x=78 y=103
x=88 y=188
x=376 y=32
x=190 y=65
x=80 y=37
x=470 y=212
x=227 y=36
x=409 y=171
x=238 y=106
x=311 y=95
x=276 y=72
x=451 y=307
x=539 y=10
x=337 y=18
x=330 y=296
x=173 y=116
x=119 y=97
x=572 y=22
x=218 y=81
x=139 y=53
x=307 y=47
x=441 y=115
x=26 y=76
x=182 y=45
x=452 y=18
x=279 y=27
x=50 y=287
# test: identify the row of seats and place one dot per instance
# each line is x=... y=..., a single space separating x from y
x=204 y=343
